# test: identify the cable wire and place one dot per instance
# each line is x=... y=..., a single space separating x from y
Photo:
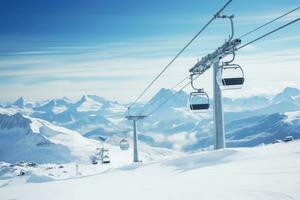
x=173 y=95
x=277 y=18
x=187 y=77
x=172 y=88
x=180 y=52
x=264 y=35
x=168 y=99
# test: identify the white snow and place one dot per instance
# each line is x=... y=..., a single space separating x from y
x=181 y=139
x=7 y=111
x=88 y=105
x=268 y=172
x=59 y=109
x=291 y=116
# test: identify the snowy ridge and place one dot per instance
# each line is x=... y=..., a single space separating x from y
x=173 y=125
x=25 y=138
x=22 y=102
x=292 y=116
x=87 y=104
x=55 y=105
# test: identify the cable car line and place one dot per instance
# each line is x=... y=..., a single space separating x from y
x=196 y=98
x=268 y=33
x=172 y=88
x=210 y=60
x=180 y=52
x=187 y=77
x=281 y=27
x=168 y=99
x=277 y=18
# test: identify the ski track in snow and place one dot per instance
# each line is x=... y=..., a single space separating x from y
x=267 y=172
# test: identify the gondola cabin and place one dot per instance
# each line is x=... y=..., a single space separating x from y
x=199 y=101
x=231 y=77
x=124 y=144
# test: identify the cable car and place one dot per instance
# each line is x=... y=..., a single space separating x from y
x=230 y=76
x=104 y=155
x=124 y=144
x=105 y=159
x=198 y=100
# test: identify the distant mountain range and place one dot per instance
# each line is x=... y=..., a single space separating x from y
x=26 y=138
x=249 y=121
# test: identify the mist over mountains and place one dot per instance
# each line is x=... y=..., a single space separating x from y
x=248 y=121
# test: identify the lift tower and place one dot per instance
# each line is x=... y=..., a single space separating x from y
x=134 y=119
x=199 y=68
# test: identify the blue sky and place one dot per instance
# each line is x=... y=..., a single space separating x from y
x=114 y=48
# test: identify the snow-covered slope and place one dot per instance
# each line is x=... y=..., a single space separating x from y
x=263 y=129
x=288 y=94
x=30 y=139
x=87 y=104
x=36 y=140
x=253 y=131
x=245 y=104
x=268 y=172
x=22 y=103
x=281 y=107
x=55 y=106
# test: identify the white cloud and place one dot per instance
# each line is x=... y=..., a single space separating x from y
x=179 y=140
x=122 y=74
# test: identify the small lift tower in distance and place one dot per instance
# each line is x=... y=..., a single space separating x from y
x=134 y=119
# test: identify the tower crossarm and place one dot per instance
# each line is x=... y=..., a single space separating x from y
x=226 y=49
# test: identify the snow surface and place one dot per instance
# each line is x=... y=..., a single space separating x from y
x=59 y=109
x=292 y=116
x=87 y=104
x=268 y=172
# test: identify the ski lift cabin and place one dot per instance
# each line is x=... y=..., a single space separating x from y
x=105 y=159
x=105 y=156
x=124 y=144
x=199 y=101
x=231 y=76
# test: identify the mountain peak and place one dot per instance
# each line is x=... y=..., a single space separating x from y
x=66 y=99
x=164 y=92
x=61 y=102
x=162 y=98
x=287 y=94
x=14 y=121
x=83 y=98
x=22 y=102
x=97 y=98
x=290 y=91
x=87 y=104
x=55 y=105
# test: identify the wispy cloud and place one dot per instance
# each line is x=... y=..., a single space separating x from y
x=120 y=70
